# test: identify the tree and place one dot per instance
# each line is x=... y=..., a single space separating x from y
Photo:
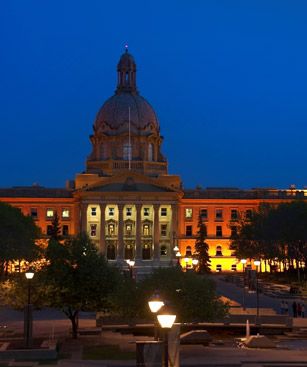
x=202 y=248
x=192 y=296
x=17 y=237
x=76 y=278
x=55 y=230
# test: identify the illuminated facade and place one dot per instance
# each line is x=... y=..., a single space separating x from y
x=126 y=200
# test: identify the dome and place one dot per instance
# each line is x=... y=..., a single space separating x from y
x=114 y=114
x=113 y=117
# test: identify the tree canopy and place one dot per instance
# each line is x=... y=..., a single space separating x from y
x=17 y=236
x=76 y=277
x=274 y=233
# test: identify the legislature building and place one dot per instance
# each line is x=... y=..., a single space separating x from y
x=126 y=200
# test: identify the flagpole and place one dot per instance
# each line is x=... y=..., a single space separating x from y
x=129 y=142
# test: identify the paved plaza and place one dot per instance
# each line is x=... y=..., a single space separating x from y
x=54 y=324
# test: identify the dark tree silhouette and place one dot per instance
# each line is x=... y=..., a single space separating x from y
x=202 y=248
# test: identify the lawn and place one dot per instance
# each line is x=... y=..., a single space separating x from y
x=101 y=352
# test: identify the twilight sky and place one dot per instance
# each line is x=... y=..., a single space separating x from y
x=228 y=81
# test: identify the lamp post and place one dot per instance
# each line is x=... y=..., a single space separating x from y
x=243 y=262
x=131 y=264
x=166 y=320
x=178 y=256
x=28 y=312
x=257 y=263
x=155 y=303
x=195 y=263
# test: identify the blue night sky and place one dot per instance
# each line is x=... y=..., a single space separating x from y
x=228 y=80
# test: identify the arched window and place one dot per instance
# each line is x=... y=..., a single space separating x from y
x=163 y=250
x=127 y=152
x=218 y=251
x=146 y=253
x=111 y=252
x=129 y=252
x=150 y=152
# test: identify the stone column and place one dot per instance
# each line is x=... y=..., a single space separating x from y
x=83 y=217
x=138 y=233
x=102 y=240
x=120 y=234
x=156 y=234
x=174 y=230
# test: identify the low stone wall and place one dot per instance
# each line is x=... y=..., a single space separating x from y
x=48 y=351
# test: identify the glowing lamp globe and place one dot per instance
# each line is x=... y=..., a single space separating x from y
x=29 y=274
x=257 y=262
x=195 y=262
x=243 y=261
x=166 y=318
x=155 y=303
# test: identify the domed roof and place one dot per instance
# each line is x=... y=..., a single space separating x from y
x=113 y=117
x=114 y=114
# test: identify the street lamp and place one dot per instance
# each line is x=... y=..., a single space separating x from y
x=155 y=303
x=131 y=264
x=257 y=263
x=243 y=262
x=176 y=249
x=166 y=320
x=28 y=321
x=195 y=263
x=178 y=256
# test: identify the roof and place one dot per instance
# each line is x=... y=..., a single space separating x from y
x=35 y=192
x=235 y=193
x=127 y=187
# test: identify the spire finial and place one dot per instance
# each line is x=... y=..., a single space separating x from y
x=126 y=47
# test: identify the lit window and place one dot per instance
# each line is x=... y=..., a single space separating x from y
x=188 y=251
x=93 y=231
x=204 y=213
x=218 y=251
x=163 y=230
x=65 y=230
x=50 y=213
x=128 y=212
x=146 y=212
x=219 y=231
x=127 y=152
x=111 y=229
x=218 y=268
x=163 y=212
x=145 y=230
x=233 y=267
x=234 y=214
x=34 y=213
x=93 y=211
x=188 y=231
x=65 y=213
x=188 y=213
x=219 y=214
x=128 y=229
x=111 y=212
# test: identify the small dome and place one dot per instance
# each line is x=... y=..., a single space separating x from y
x=114 y=115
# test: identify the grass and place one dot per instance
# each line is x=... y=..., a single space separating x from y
x=101 y=352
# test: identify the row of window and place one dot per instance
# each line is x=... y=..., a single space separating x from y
x=146 y=230
x=218 y=251
x=111 y=211
x=50 y=213
x=218 y=231
x=234 y=214
x=129 y=252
